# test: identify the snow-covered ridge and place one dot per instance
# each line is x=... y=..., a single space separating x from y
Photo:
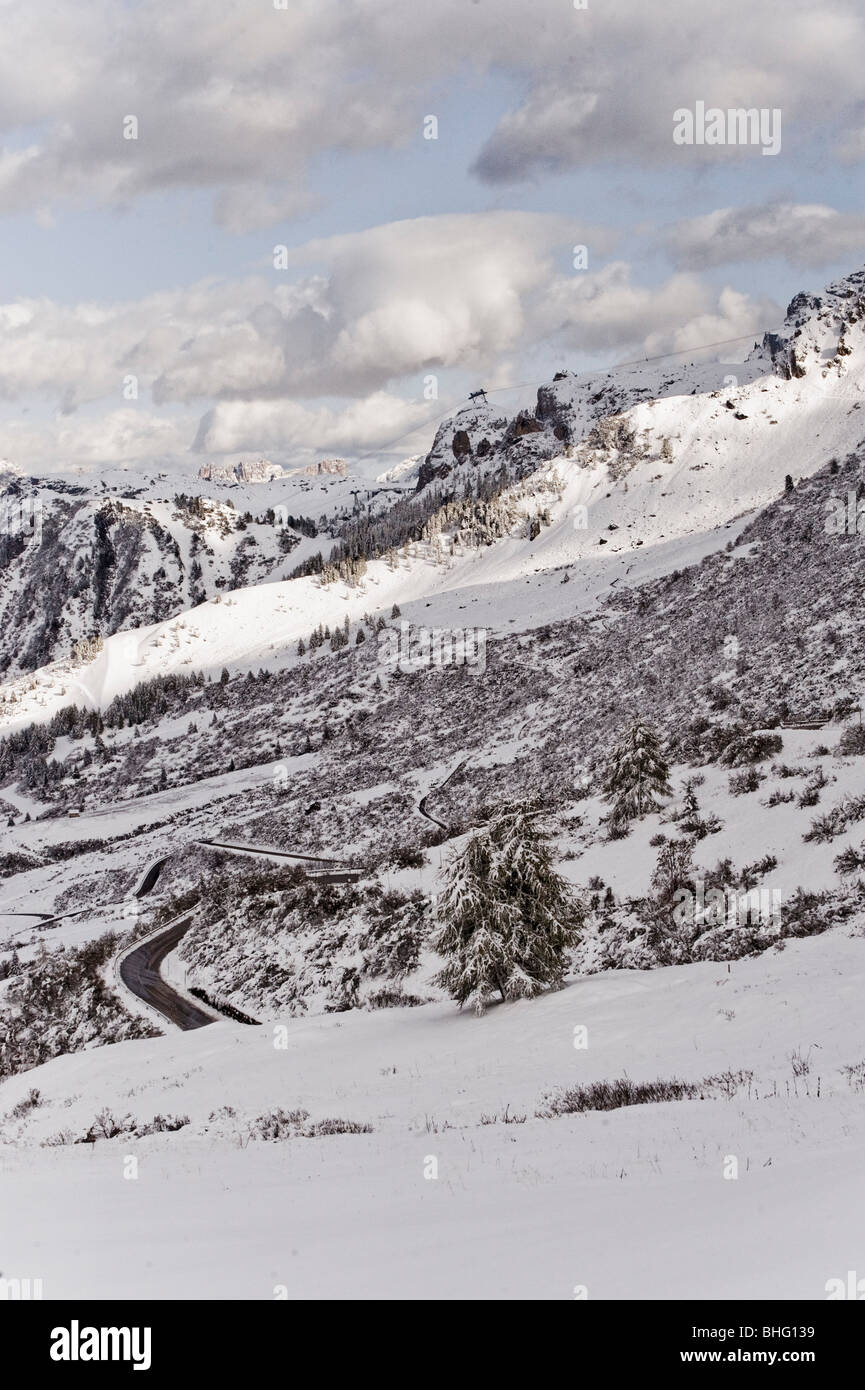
x=617 y=478
x=821 y=340
x=77 y=561
x=263 y=471
x=401 y=472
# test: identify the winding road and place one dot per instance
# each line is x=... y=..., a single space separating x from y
x=149 y=877
x=421 y=806
x=139 y=971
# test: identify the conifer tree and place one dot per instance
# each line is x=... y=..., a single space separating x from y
x=690 y=807
x=673 y=870
x=636 y=775
x=506 y=918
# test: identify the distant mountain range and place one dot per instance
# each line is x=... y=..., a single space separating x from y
x=263 y=471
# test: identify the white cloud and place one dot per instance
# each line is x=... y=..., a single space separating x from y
x=241 y=98
x=608 y=91
x=805 y=234
x=607 y=311
x=118 y=437
x=281 y=427
x=401 y=299
x=227 y=366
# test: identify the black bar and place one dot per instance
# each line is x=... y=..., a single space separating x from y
x=808 y=1338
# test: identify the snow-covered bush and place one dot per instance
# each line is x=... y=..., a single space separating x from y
x=746 y=781
x=834 y=822
x=613 y=1095
x=751 y=748
x=850 y=860
x=852 y=740
x=58 y=1003
x=271 y=941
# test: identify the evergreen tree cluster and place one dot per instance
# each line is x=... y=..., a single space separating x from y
x=340 y=636
x=481 y=515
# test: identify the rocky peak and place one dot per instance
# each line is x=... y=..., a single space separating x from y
x=819 y=331
x=259 y=470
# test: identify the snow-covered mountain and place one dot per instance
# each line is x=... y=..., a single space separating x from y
x=246 y=471
x=402 y=472
x=279 y=770
x=615 y=478
x=79 y=561
x=629 y=415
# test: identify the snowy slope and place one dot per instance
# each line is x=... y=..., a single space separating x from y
x=526 y=1210
x=521 y=1206
x=92 y=561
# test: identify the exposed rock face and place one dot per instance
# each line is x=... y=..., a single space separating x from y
x=258 y=471
x=782 y=355
x=74 y=564
x=821 y=334
x=98 y=567
x=801 y=307
x=550 y=413
x=547 y=407
x=473 y=433
x=461 y=445
x=477 y=435
x=214 y=473
x=337 y=468
x=247 y=471
x=525 y=424
x=819 y=330
x=428 y=471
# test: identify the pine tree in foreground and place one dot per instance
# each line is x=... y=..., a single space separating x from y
x=507 y=919
x=690 y=817
x=636 y=776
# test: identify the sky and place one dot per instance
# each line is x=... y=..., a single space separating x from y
x=306 y=228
